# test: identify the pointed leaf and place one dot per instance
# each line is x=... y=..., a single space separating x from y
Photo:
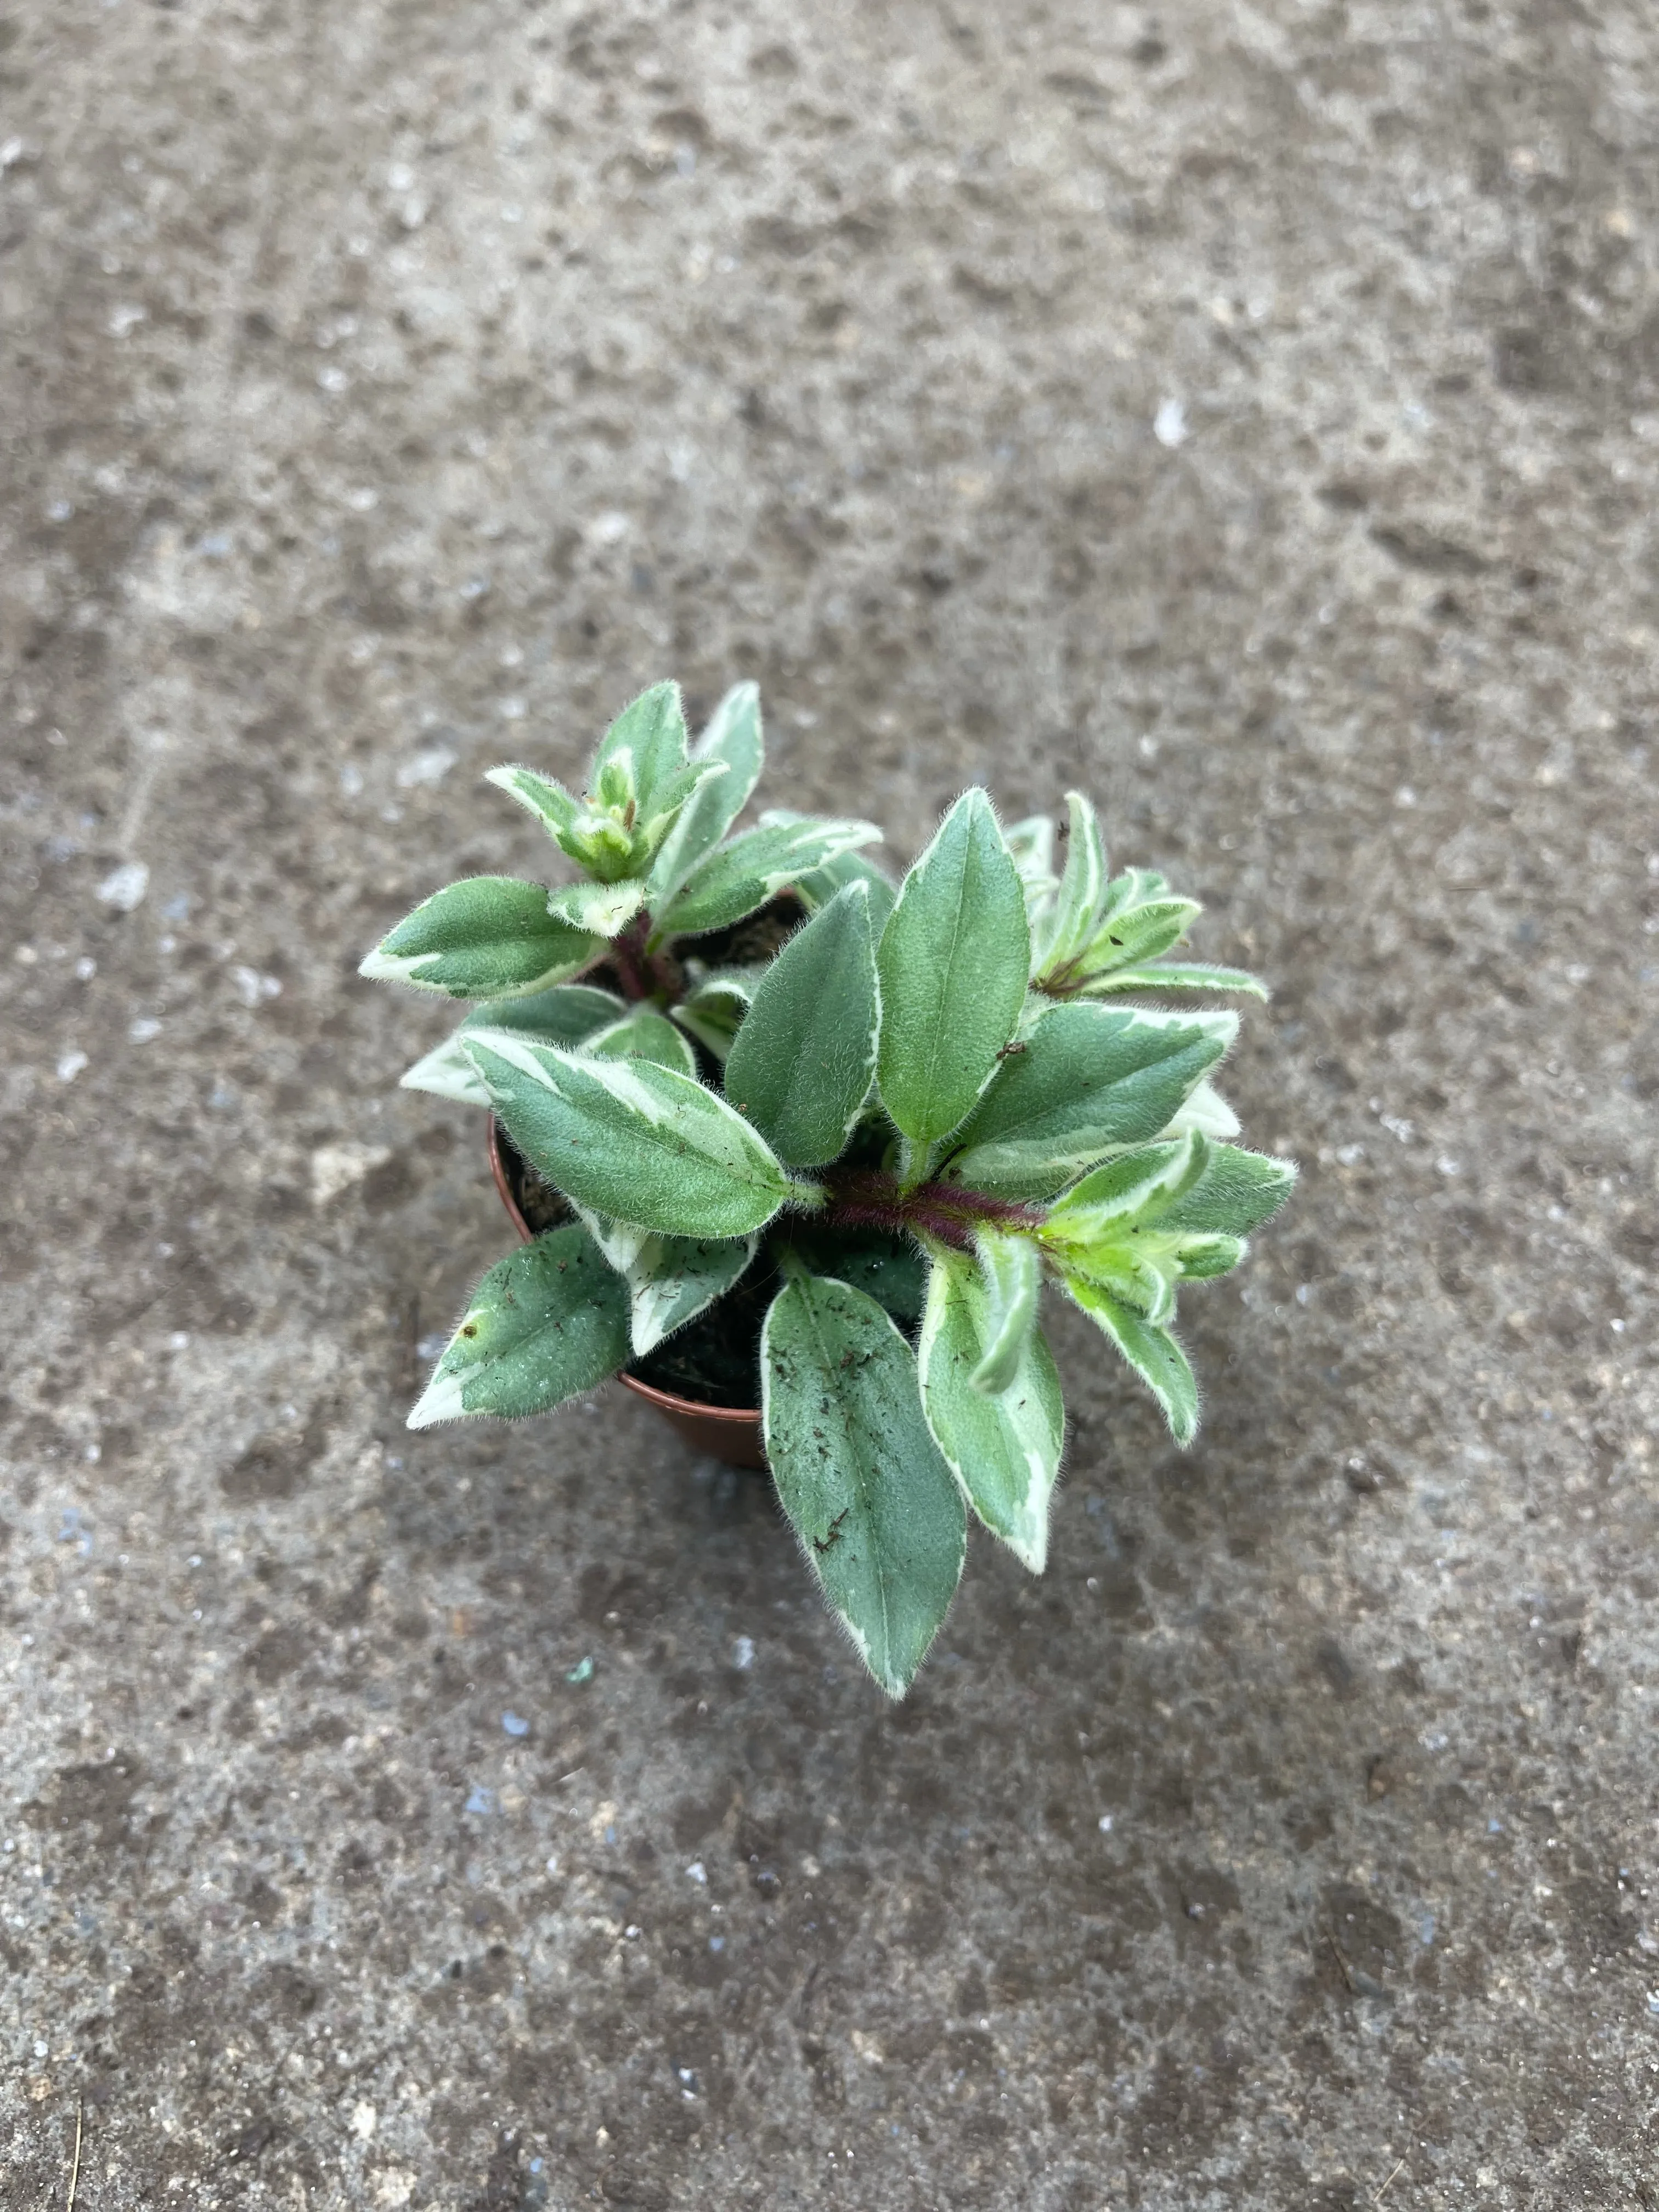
x=545 y=1325
x=567 y=1014
x=1012 y=1280
x=486 y=937
x=671 y=1279
x=1003 y=1447
x=877 y=1513
x=801 y=1066
x=732 y=738
x=650 y=731
x=753 y=868
x=631 y=1140
x=644 y=1033
x=1074 y=919
x=1090 y=1078
x=1236 y=1194
x=1172 y=976
x=953 y=961
x=1153 y=1353
x=595 y=839
x=1129 y=938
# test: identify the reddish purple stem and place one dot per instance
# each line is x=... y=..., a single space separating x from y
x=862 y=1198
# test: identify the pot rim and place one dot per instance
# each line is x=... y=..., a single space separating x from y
x=668 y=1401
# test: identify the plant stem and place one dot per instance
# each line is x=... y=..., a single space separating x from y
x=866 y=1198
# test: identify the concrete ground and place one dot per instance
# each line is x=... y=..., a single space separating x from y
x=1249 y=411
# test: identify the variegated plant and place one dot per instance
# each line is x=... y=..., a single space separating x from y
x=923 y=1107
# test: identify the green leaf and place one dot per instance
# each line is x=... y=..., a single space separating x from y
x=1236 y=1194
x=1158 y=1216
x=753 y=868
x=1074 y=919
x=545 y=1325
x=953 y=961
x=820 y=886
x=604 y=909
x=1153 y=1352
x=596 y=839
x=713 y=1009
x=486 y=937
x=671 y=1279
x=877 y=1513
x=566 y=1015
x=1012 y=1280
x=733 y=739
x=631 y=1140
x=801 y=1066
x=649 y=736
x=1173 y=975
x=1139 y=920
x=644 y=1033
x=1002 y=1446
x=1090 y=1078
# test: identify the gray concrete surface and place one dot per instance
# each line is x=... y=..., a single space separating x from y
x=1250 y=411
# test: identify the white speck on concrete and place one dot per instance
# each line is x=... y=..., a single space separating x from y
x=697 y=1872
x=742 y=1653
x=334 y=1168
x=69 y=1065
x=609 y=528
x=431 y=765
x=515 y=1725
x=123 y=888
x=144 y=1029
x=1169 y=423
x=363 y=2118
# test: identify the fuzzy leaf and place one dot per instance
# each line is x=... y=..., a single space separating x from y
x=1236 y=1194
x=1074 y=919
x=742 y=874
x=1002 y=1446
x=732 y=740
x=545 y=1325
x=877 y=1511
x=644 y=1033
x=713 y=1009
x=605 y=909
x=671 y=1279
x=801 y=1066
x=568 y=1014
x=649 y=735
x=1131 y=1229
x=820 y=886
x=486 y=937
x=1090 y=1078
x=1012 y=1279
x=631 y=1140
x=953 y=961
x=1153 y=1352
x=1173 y=975
x=1139 y=920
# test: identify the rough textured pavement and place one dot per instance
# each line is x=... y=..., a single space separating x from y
x=1250 y=412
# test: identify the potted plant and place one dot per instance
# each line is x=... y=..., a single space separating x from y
x=798 y=1152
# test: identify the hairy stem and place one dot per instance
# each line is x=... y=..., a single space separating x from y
x=862 y=1198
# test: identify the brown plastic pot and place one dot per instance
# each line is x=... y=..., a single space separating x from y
x=731 y=1433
